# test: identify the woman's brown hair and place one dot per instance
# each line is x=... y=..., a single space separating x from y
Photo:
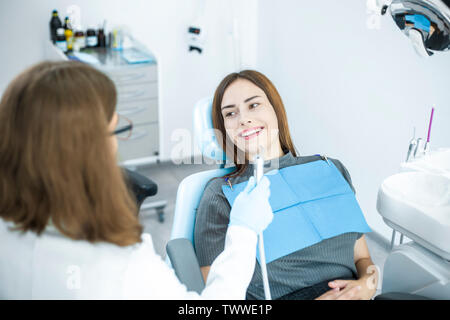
x=56 y=162
x=272 y=94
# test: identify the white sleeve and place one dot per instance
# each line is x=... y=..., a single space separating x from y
x=149 y=277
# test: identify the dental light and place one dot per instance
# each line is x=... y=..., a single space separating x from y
x=425 y=22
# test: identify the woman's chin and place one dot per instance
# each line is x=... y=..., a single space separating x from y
x=252 y=148
x=252 y=151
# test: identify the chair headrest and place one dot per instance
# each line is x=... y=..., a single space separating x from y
x=204 y=131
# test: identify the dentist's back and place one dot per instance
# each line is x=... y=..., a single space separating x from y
x=52 y=266
x=68 y=222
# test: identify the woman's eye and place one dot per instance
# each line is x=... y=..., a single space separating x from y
x=254 y=105
x=229 y=114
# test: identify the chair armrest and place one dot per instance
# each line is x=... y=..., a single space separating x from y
x=141 y=186
x=184 y=262
x=399 y=296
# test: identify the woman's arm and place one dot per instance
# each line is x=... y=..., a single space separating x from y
x=205 y=271
x=149 y=277
x=362 y=289
x=367 y=271
x=211 y=225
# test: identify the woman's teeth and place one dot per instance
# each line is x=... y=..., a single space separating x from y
x=251 y=134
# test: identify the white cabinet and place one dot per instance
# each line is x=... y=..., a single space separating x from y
x=137 y=100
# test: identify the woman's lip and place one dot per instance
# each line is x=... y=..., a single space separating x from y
x=252 y=129
x=254 y=134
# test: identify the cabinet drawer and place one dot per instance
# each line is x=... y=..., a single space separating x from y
x=134 y=92
x=139 y=112
x=143 y=142
x=133 y=75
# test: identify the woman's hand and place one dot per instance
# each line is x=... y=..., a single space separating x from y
x=348 y=290
x=251 y=208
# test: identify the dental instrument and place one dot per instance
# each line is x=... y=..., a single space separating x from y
x=418 y=146
x=415 y=144
x=427 y=144
x=412 y=146
x=258 y=174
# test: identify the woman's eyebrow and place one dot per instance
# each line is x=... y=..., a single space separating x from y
x=246 y=100
x=230 y=106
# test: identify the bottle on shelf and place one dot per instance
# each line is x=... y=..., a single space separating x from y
x=55 y=24
x=68 y=33
x=101 y=38
x=79 y=39
x=91 y=38
x=60 y=40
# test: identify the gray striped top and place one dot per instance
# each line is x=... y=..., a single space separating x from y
x=327 y=260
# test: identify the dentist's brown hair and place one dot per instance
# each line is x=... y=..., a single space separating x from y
x=275 y=100
x=56 y=160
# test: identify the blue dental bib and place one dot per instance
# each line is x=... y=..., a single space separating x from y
x=311 y=202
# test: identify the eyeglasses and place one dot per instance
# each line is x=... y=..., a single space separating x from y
x=124 y=128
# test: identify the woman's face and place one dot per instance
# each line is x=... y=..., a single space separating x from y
x=250 y=120
x=113 y=139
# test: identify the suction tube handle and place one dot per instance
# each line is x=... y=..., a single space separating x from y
x=258 y=174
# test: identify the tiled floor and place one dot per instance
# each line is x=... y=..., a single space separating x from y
x=168 y=176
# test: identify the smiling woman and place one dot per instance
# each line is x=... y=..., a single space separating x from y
x=249 y=114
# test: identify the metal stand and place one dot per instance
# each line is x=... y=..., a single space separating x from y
x=158 y=205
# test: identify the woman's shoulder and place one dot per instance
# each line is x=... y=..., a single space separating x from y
x=214 y=185
x=213 y=193
x=339 y=165
x=315 y=157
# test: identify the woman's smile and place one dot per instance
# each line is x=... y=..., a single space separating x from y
x=250 y=120
x=251 y=133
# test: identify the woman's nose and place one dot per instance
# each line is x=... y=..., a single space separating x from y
x=245 y=121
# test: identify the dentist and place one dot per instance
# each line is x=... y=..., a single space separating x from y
x=68 y=224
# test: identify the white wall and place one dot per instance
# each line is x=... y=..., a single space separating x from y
x=162 y=26
x=352 y=92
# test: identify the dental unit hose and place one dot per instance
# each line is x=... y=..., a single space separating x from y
x=258 y=174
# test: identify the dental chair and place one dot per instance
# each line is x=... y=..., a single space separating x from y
x=180 y=250
x=141 y=186
x=417 y=204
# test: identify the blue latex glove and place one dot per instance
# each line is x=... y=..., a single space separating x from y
x=251 y=208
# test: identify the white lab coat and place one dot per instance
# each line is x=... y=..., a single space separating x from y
x=52 y=266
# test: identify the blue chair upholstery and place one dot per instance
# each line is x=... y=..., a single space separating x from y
x=190 y=192
x=204 y=132
x=191 y=188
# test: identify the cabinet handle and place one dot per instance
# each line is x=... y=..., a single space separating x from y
x=129 y=77
x=130 y=111
x=131 y=94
